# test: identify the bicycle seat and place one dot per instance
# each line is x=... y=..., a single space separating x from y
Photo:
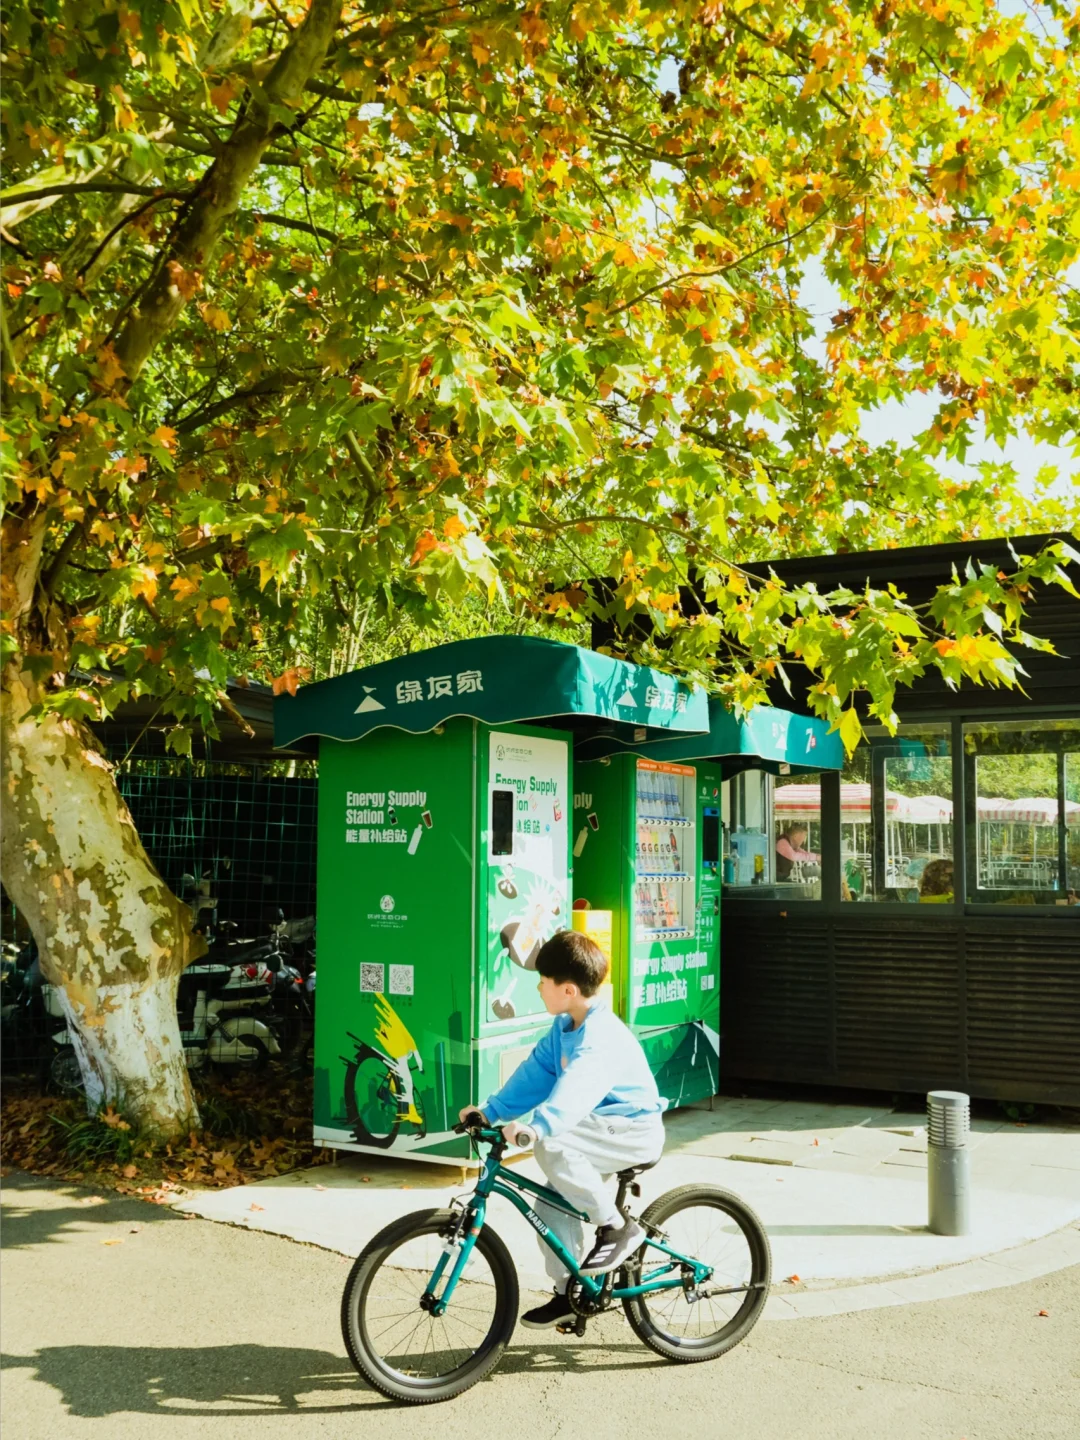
x=632 y=1170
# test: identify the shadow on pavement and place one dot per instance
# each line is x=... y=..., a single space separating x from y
x=94 y=1381
x=98 y=1380
x=69 y=1208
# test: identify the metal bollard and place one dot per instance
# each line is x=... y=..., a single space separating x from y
x=948 y=1161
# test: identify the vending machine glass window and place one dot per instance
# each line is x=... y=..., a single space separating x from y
x=666 y=854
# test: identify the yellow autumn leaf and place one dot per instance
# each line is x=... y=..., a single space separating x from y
x=454 y=527
x=183 y=588
x=850 y=729
x=220 y=602
x=144 y=583
x=215 y=317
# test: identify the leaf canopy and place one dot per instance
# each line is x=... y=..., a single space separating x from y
x=434 y=313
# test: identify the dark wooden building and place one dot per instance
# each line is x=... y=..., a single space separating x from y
x=928 y=936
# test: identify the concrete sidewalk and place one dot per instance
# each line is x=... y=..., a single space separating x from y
x=123 y=1321
x=841 y=1190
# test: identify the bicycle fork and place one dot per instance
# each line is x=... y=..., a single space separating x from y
x=456 y=1252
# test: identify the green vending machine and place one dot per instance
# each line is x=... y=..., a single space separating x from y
x=646 y=847
x=649 y=846
x=444 y=864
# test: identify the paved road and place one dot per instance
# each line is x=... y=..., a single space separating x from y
x=189 y=1329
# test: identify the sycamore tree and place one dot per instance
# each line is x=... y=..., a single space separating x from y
x=395 y=312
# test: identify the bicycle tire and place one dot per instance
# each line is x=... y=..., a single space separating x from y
x=361 y=1132
x=686 y=1350
x=384 y=1378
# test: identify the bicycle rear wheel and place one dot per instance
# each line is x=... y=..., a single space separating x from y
x=718 y=1229
x=403 y=1350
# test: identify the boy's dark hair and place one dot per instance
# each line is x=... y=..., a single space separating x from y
x=570 y=958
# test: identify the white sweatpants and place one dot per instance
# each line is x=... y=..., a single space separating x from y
x=580 y=1165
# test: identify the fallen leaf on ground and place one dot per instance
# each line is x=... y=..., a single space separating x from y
x=365 y=1179
x=792 y=1280
x=253 y=1206
x=92 y=1200
x=320 y=1187
x=112 y=1242
x=130 y=1171
x=134 y=1229
x=1044 y=1312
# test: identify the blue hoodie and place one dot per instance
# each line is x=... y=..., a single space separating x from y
x=598 y=1068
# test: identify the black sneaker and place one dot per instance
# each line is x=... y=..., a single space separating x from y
x=612 y=1247
x=556 y=1309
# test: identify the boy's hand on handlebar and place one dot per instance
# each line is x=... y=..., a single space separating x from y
x=473 y=1115
x=514 y=1133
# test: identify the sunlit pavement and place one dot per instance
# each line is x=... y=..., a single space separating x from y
x=841 y=1190
x=122 y=1320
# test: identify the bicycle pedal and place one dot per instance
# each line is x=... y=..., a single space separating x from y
x=571 y=1327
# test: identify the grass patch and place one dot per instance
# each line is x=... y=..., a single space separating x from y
x=95 y=1140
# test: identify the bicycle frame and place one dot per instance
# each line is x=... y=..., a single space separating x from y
x=496 y=1179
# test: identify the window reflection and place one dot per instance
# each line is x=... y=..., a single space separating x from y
x=1024 y=811
x=896 y=816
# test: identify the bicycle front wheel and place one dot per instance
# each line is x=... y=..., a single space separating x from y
x=403 y=1350
x=718 y=1229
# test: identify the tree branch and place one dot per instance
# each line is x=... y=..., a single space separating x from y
x=287 y=223
x=219 y=193
x=91 y=187
x=268 y=385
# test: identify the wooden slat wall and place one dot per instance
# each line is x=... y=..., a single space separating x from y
x=990 y=1006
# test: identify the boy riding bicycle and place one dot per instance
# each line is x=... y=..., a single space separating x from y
x=596 y=1110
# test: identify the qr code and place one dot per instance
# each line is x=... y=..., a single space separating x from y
x=371 y=979
x=401 y=979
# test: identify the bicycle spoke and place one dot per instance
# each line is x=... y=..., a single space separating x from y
x=411 y=1340
x=713 y=1238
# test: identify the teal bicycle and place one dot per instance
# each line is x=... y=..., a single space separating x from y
x=431 y=1303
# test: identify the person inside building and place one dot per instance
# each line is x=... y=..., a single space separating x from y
x=936 y=882
x=790 y=848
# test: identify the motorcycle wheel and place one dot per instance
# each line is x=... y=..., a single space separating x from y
x=370 y=1101
x=65 y=1073
x=257 y=1060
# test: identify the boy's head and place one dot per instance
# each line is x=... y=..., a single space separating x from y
x=571 y=967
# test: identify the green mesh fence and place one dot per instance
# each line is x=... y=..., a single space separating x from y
x=249 y=827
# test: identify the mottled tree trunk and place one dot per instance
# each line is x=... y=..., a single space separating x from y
x=112 y=936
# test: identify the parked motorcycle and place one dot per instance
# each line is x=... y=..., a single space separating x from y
x=32 y=1022
x=224 y=1022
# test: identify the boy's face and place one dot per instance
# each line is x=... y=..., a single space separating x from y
x=557 y=997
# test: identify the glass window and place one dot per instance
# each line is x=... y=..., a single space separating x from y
x=896 y=817
x=1023 y=820
x=771 y=831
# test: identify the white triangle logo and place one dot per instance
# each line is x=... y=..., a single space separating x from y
x=368 y=702
x=627 y=698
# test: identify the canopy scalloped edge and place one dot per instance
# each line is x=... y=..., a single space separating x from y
x=767 y=738
x=499 y=679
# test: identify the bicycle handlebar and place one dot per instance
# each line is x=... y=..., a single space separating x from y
x=486 y=1133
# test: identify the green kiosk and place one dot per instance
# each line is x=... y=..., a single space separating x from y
x=650 y=848
x=444 y=864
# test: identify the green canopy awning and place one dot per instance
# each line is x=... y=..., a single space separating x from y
x=765 y=739
x=499 y=679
